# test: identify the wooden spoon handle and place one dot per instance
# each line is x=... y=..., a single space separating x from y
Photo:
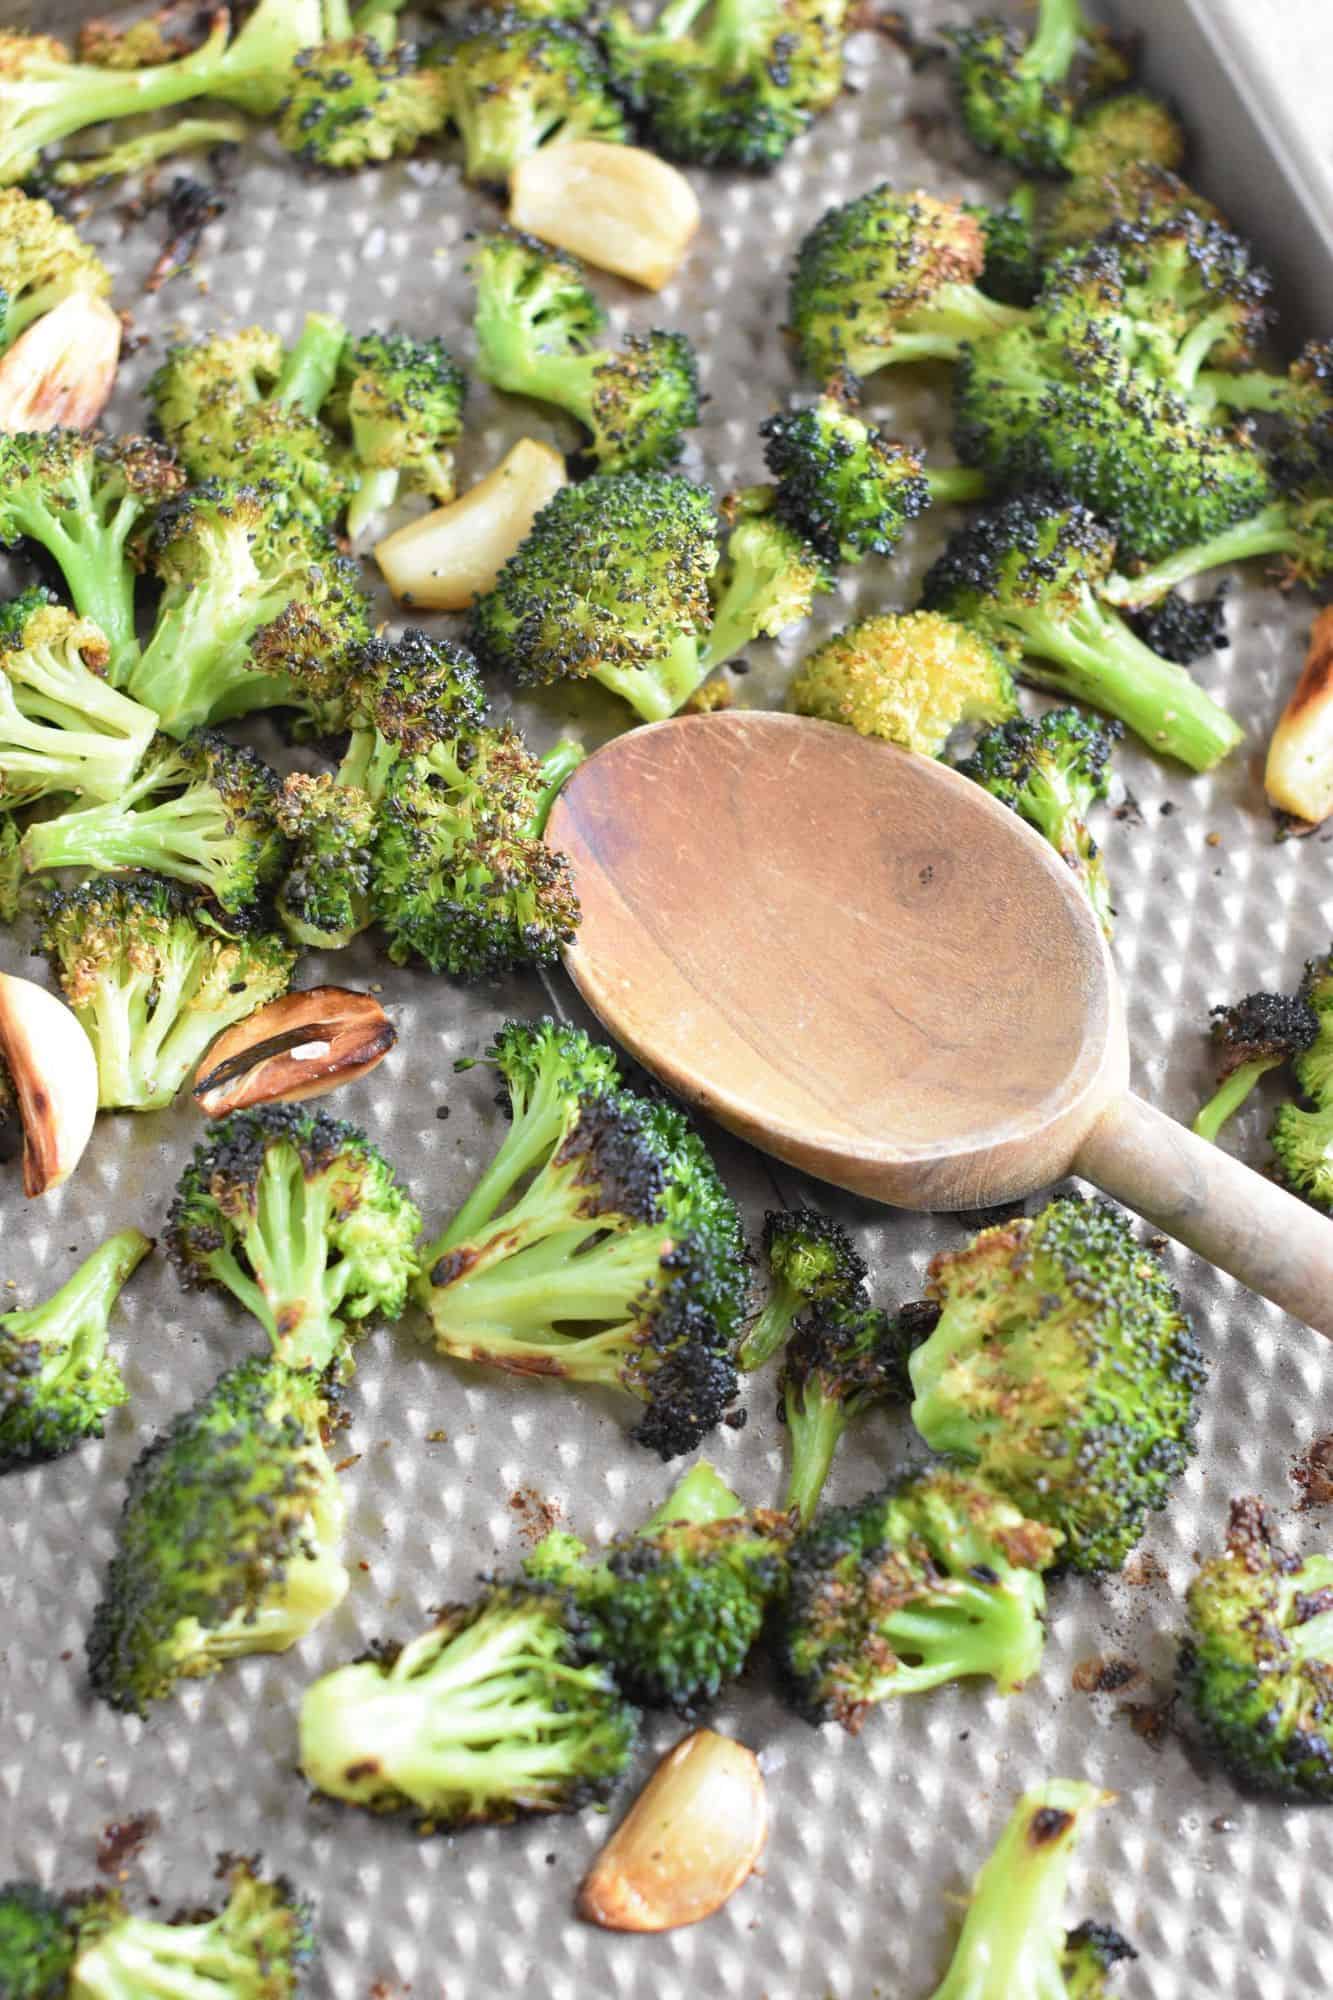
x=1228 y=1213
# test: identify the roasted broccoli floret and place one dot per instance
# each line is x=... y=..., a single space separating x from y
x=43 y=260
x=401 y=402
x=152 y=981
x=844 y=1357
x=1302 y=1139
x=909 y=678
x=201 y=811
x=1051 y=772
x=729 y=82
x=1137 y=193
x=611 y=584
x=57 y=1378
x=63 y=728
x=512 y=83
x=355 y=101
x=1256 y=1663
x=622 y=1262
x=1014 y=248
x=890 y=277
x=324 y=897
x=768 y=578
x=37 y=1940
x=539 y=331
x=400 y=698
x=228 y=1541
x=498 y=1710
x=1013 y=1944
x=676 y=1607
x=809 y=1257
x=1025 y=574
x=1064 y=1368
x=1020 y=96
x=1182 y=630
x=299 y=1217
x=250 y=591
x=257 y=1947
x=82 y=498
x=1253 y=1036
x=930 y=1580
x=1132 y=128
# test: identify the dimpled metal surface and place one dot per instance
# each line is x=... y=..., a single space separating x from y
x=873 y=1838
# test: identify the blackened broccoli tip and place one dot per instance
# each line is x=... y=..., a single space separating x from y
x=260 y=1943
x=400 y=402
x=1052 y=771
x=890 y=277
x=539 y=333
x=1256 y=1664
x=809 y=1256
x=323 y=900
x=1025 y=574
x=63 y=727
x=401 y=698
x=353 y=103
x=43 y=260
x=1252 y=1036
x=228 y=1540
x=1013 y=1939
x=58 y=1379
x=908 y=677
x=200 y=811
x=611 y=584
x=303 y=1220
x=513 y=83
x=1183 y=630
x=497 y=1711
x=841 y=483
x=152 y=980
x=1090 y=1437
x=844 y=1357
x=932 y=1579
x=733 y=82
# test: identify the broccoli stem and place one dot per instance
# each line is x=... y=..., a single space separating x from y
x=973 y=1629
x=1061 y=25
x=177 y=837
x=557 y=765
x=657 y=691
x=377 y=20
x=168 y=142
x=938 y=330
x=701 y=1495
x=1268 y=533
x=74 y=1320
x=815 y=1424
x=537 y=1125
x=309 y=370
x=90 y=552
x=376 y=491
x=287 y=1244
x=954 y=485
x=1312 y=1638
x=195 y=668
x=1230 y=1095
x=338 y=20
x=1251 y=391
x=530 y=1291
x=772 y=1326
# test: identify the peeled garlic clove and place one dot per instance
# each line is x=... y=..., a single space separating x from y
x=687 y=1843
x=443 y=560
x=617 y=207
x=302 y=1045
x=1298 y=776
x=50 y=1068
x=61 y=369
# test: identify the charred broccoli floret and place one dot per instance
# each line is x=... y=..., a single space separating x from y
x=1183 y=630
x=621 y=1263
x=57 y=1378
x=729 y=82
x=909 y=678
x=401 y=402
x=887 y=278
x=324 y=897
x=513 y=82
x=201 y=811
x=930 y=1580
x=539 y=331
x=400 y=698
x=152 y=981
x=1021 y=96
x=1302 y=1138
x=299 y=1217
x=1052 y=772
x=498 y=1710
x=43 y=260
x=1025 y=574
x=1064 y=1368
x=228 y=1540
x=1253 y=1036
x=1136 y=192
x=63 y=728
x=844 y=1357
x=1256 y=1664
x=355 y=101
x=809 y=1257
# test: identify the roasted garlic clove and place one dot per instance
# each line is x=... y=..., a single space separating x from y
x=48 y=1067
x=1299 y=774
x=617 y=207
x=442 y=561
x=300 y=1046
x=61 y=369
x=687 y=1843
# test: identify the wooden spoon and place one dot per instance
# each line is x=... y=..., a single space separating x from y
x=864 y=964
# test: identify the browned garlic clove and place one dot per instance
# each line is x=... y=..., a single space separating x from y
x=442 y=561
x=617 y=207
x=687 y=1843
x=300 y=1046
x=49 y=1067
x=61 y=369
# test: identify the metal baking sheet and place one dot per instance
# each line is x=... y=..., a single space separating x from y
x=873 y=1838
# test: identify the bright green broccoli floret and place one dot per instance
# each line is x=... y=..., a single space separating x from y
x=201 y=811
x=1253 y=1036
x=768 y=578
x=1302 y=1139
x=1025 y=574
x=1256 y=1664
x=1020 y=96
x=149 y=149
x=910 y=678
x=43 y=260
x=1013 y=1944
x=258 y=1947
x=611 y=584
x=1064 y=1368
x=809 y=1257
x=497 y=1711
x=729 y=82
x=83 y=498
x=356 y=101
x=301 y=1219
x=513 y=83
x=621 y=1263
x=401 y=402
x=538 y=331
x=63 y=728
x=153 y=981
x=37 y=1940
x=844 y=1357
x=324 y=898
x=930 y=1580
x=228 y=1541
x=887 y=278
x=1051 y=771
x=57 y=1379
